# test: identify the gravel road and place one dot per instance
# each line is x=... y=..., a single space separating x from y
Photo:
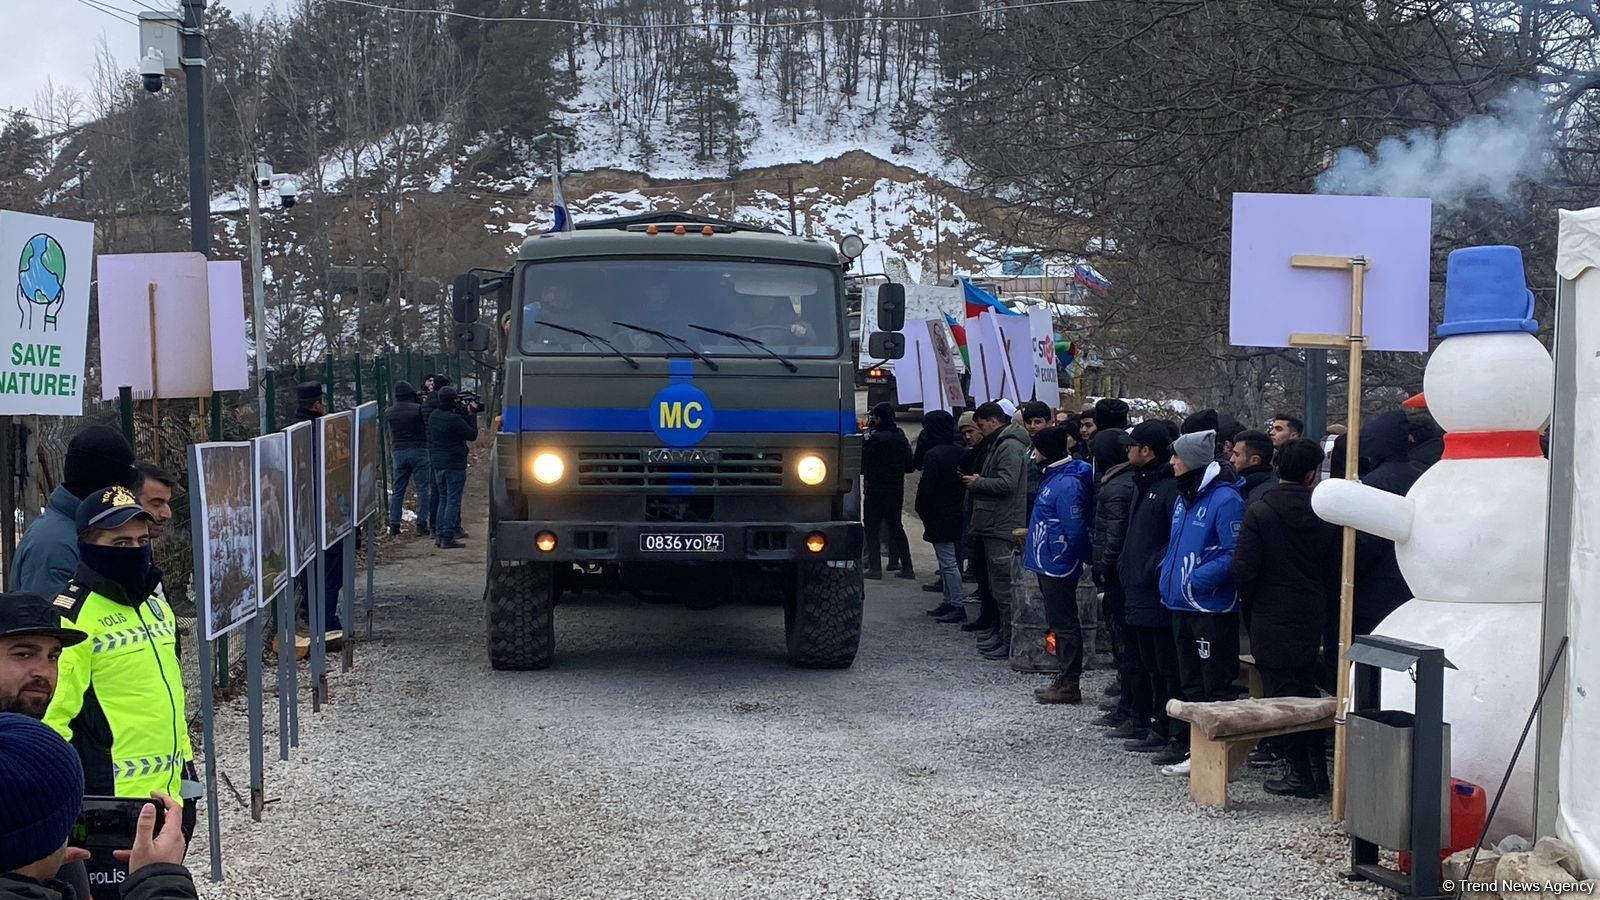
x=673 y=753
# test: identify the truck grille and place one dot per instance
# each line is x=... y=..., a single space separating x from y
x=627 y=468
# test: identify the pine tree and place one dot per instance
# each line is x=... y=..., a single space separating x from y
x=22 y=153
x=707 y=103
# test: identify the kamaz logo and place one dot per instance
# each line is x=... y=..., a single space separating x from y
x=664 y=455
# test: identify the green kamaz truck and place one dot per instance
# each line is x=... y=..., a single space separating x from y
x=677 y=411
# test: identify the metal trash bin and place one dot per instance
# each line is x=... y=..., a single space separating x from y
x=1377 y=804
x=1397 y=766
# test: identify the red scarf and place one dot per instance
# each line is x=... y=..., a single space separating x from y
x=1492 y=445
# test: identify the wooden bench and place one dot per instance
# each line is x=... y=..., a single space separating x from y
x=1221 y=735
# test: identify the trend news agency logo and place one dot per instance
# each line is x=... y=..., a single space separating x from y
x=41 y=282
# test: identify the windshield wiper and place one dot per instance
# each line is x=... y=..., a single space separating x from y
x=669 y=339
x=749 y=342
x=595 y=338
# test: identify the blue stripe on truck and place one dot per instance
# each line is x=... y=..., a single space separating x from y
x=617 y=420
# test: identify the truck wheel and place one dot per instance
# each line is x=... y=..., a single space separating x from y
x=521 y=600
x=822 y=617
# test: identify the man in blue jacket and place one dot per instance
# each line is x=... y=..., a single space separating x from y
x=1058 y=549
x=1196 y=576
x=47 y=556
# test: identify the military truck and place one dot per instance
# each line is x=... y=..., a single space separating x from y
x=677 y=410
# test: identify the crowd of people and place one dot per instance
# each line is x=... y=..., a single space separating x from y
x=1198 y=537
x=91 y=696
x=429 y=434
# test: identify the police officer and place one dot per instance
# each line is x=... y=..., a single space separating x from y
x=31 y=640
x=119 y=698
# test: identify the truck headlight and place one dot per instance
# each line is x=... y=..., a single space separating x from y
x=548 y=468
x=811 y=469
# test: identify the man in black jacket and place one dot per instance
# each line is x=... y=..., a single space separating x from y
x=1139 y=567
x=449 y=432
x=1110 y=418
x=1386 y=461
x=1252 y=460
x=885 y=460
x=940 y=495
x=1286 y=566
x=1112 y=502
x=408 y=435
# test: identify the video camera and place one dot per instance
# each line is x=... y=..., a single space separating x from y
x=468 y=403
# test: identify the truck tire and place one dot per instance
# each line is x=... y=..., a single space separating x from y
x=521 y=598
x=822 y=616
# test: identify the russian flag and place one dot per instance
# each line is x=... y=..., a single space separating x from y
x=980 y=301
x=563 y=219
x=1085 y=275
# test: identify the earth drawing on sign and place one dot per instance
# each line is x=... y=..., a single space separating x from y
x=41 y=282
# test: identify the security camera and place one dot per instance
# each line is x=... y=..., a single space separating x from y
x=287 y=193
x=151 y=70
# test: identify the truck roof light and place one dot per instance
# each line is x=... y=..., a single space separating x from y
x=680 y=230
x=708 y=231
x=651 y=229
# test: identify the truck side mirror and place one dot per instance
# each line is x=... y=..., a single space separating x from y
x=464 y=292
x=892 y=308
x=472 y=337
x=887 y=344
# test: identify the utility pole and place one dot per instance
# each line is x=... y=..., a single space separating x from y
x=258 y=306
x=194 y=70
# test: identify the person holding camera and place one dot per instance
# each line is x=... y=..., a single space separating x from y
x=41 y=780
x=451 y=428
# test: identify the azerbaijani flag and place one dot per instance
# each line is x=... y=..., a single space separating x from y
x=980 y=301
x=960 y=333
x=1066 y=354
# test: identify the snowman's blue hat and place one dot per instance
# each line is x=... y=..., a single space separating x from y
x=1485 y=291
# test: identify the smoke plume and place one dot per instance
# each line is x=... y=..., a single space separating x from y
x=1484 y=156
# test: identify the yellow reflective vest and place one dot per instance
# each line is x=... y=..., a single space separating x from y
x=119 y=698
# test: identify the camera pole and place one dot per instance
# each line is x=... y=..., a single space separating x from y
x=257 y=302
x=194 y=71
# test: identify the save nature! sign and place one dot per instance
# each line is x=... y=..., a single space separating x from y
x=45 y=268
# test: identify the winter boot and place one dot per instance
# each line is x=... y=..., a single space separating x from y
x=907 y=572
x=994 y=640
x=394 y=529
x=1129 y=731
x=1001 y=650
x=1061 y=690
x=1318 y=759
x=1299 y=782
x=955 y=616
x=1150 y=743
x=942 y=609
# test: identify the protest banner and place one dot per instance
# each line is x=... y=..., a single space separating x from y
x=44 y=341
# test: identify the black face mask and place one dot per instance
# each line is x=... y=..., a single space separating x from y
x=1189 y=482
x=132 y=568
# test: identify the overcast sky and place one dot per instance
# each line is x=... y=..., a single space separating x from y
x=56 y=39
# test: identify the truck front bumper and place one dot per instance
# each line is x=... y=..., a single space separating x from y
x=634 y=541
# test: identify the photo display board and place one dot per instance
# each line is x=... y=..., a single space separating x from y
x=227 y=558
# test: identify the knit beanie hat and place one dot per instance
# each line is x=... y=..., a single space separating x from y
x=1197 y=449
x=1109 y=412
x=97 y=456
x=1204 y=420
x=41 y=780
x=308 y=391
x=1051 y=444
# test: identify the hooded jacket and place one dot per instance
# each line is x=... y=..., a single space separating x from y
x=1380 y=588
x=47 y=555
x=1000 y=495
x=885 y=460
x=1149 y=527
x=1286 y=565
x=449 y=433
x=407 y=418
x=1058 y=535
x=939 y=491
x=1195 y=572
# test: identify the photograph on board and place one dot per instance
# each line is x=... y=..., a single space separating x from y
x=302 y=493
x=368 y=450
x=272 y=499
x=224 y=475
x=338 y=475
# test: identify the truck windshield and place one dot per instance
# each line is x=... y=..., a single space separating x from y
x=791 y=308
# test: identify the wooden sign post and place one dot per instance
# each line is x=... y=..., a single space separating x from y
x=1354 y=342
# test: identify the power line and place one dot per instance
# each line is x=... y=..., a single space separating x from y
x=120 y=15
x=663 y=26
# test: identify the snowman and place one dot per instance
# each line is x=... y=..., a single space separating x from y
x=1469 y=535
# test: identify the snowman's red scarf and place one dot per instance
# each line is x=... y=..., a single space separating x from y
x=1491 y=444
